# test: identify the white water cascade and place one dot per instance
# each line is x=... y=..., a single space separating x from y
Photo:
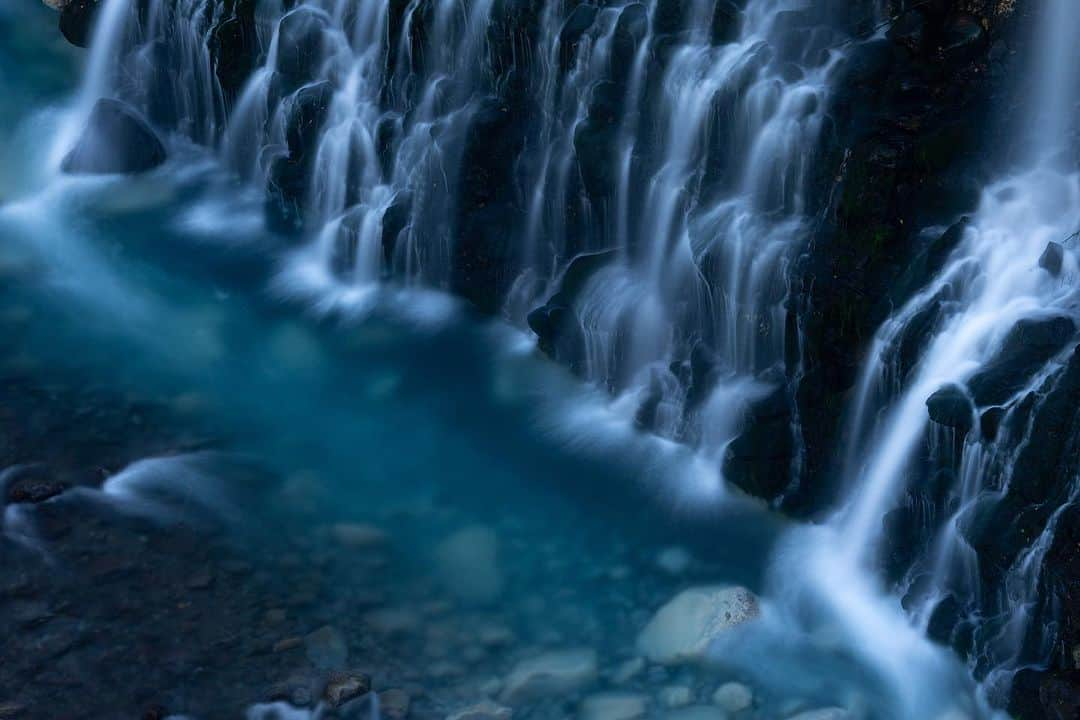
x=1001 y=318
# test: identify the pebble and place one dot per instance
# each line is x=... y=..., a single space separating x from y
x=733 y=697
x=326 y=648
x=628 y=670
x=288 y=643
x=559 y=672
x=392 y=621
x=831 y=713
x=467 y=563
x=612 y=706
x=483 y=710
x=676 y=696
x=674 y=560
x=394 y=704
x=341 y=687
x=358 y=535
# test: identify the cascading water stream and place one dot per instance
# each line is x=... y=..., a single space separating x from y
x=995 y=294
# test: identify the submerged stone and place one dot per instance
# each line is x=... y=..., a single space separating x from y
x=468 y=565
x=684 y=628
x=612 y=706
x=558 y=673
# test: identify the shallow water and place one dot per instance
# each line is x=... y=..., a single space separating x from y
x=399 y=409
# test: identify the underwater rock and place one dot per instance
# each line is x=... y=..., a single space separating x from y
x=950 y=406
x=468 y=565
x=326 y=648
x=733 y=697
x=394 y=704
x=30 y=484
x=300 y=46
x=674 y=560
x=833 y=713
x=612 y=706
x=628 y=670
x=358 y=535
x=683 y=629
x=483 y=710
x=342 y=687
x=696 y=712
x=116 y=140
x=560 y=672
x=675 y=696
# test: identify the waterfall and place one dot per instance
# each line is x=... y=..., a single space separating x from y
x=629 y=179
x=1001 y=316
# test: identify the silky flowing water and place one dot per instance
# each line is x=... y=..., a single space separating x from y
x=395 y=405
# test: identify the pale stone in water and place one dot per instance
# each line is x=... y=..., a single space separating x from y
x=394 y=703
x=468 y=565
x=628 y=671
x=682 y=630
x=358 y=535
x=674 y=560
x=483 y=710
x=733 y=697
x=612 y=706
x=558 y=672
x=676 y=696
x=832 y=713
x=326 y=648
x=696 y=712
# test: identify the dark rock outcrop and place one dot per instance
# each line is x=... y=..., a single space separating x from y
x=116 y=140
x=950 y=406
x=77 y=21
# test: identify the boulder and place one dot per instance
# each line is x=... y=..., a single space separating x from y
x=950 y=406
x=300 y=46
x=684 y=628
x=116 y=140
x=559 y=672
x=1027 y=347
x=77 y=21
x=467 y=563
x=612 y=706
x=1052 y=258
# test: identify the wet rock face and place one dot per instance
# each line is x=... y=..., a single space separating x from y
x=908 y=154
x=77 y=21
x=950 y=406
x=116 y=140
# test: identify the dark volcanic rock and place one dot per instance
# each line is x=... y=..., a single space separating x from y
x=1052 y=258
x=31 y=484
x=950 y=406
x=116 y=140
x=1028 y=346
x=77 y=21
